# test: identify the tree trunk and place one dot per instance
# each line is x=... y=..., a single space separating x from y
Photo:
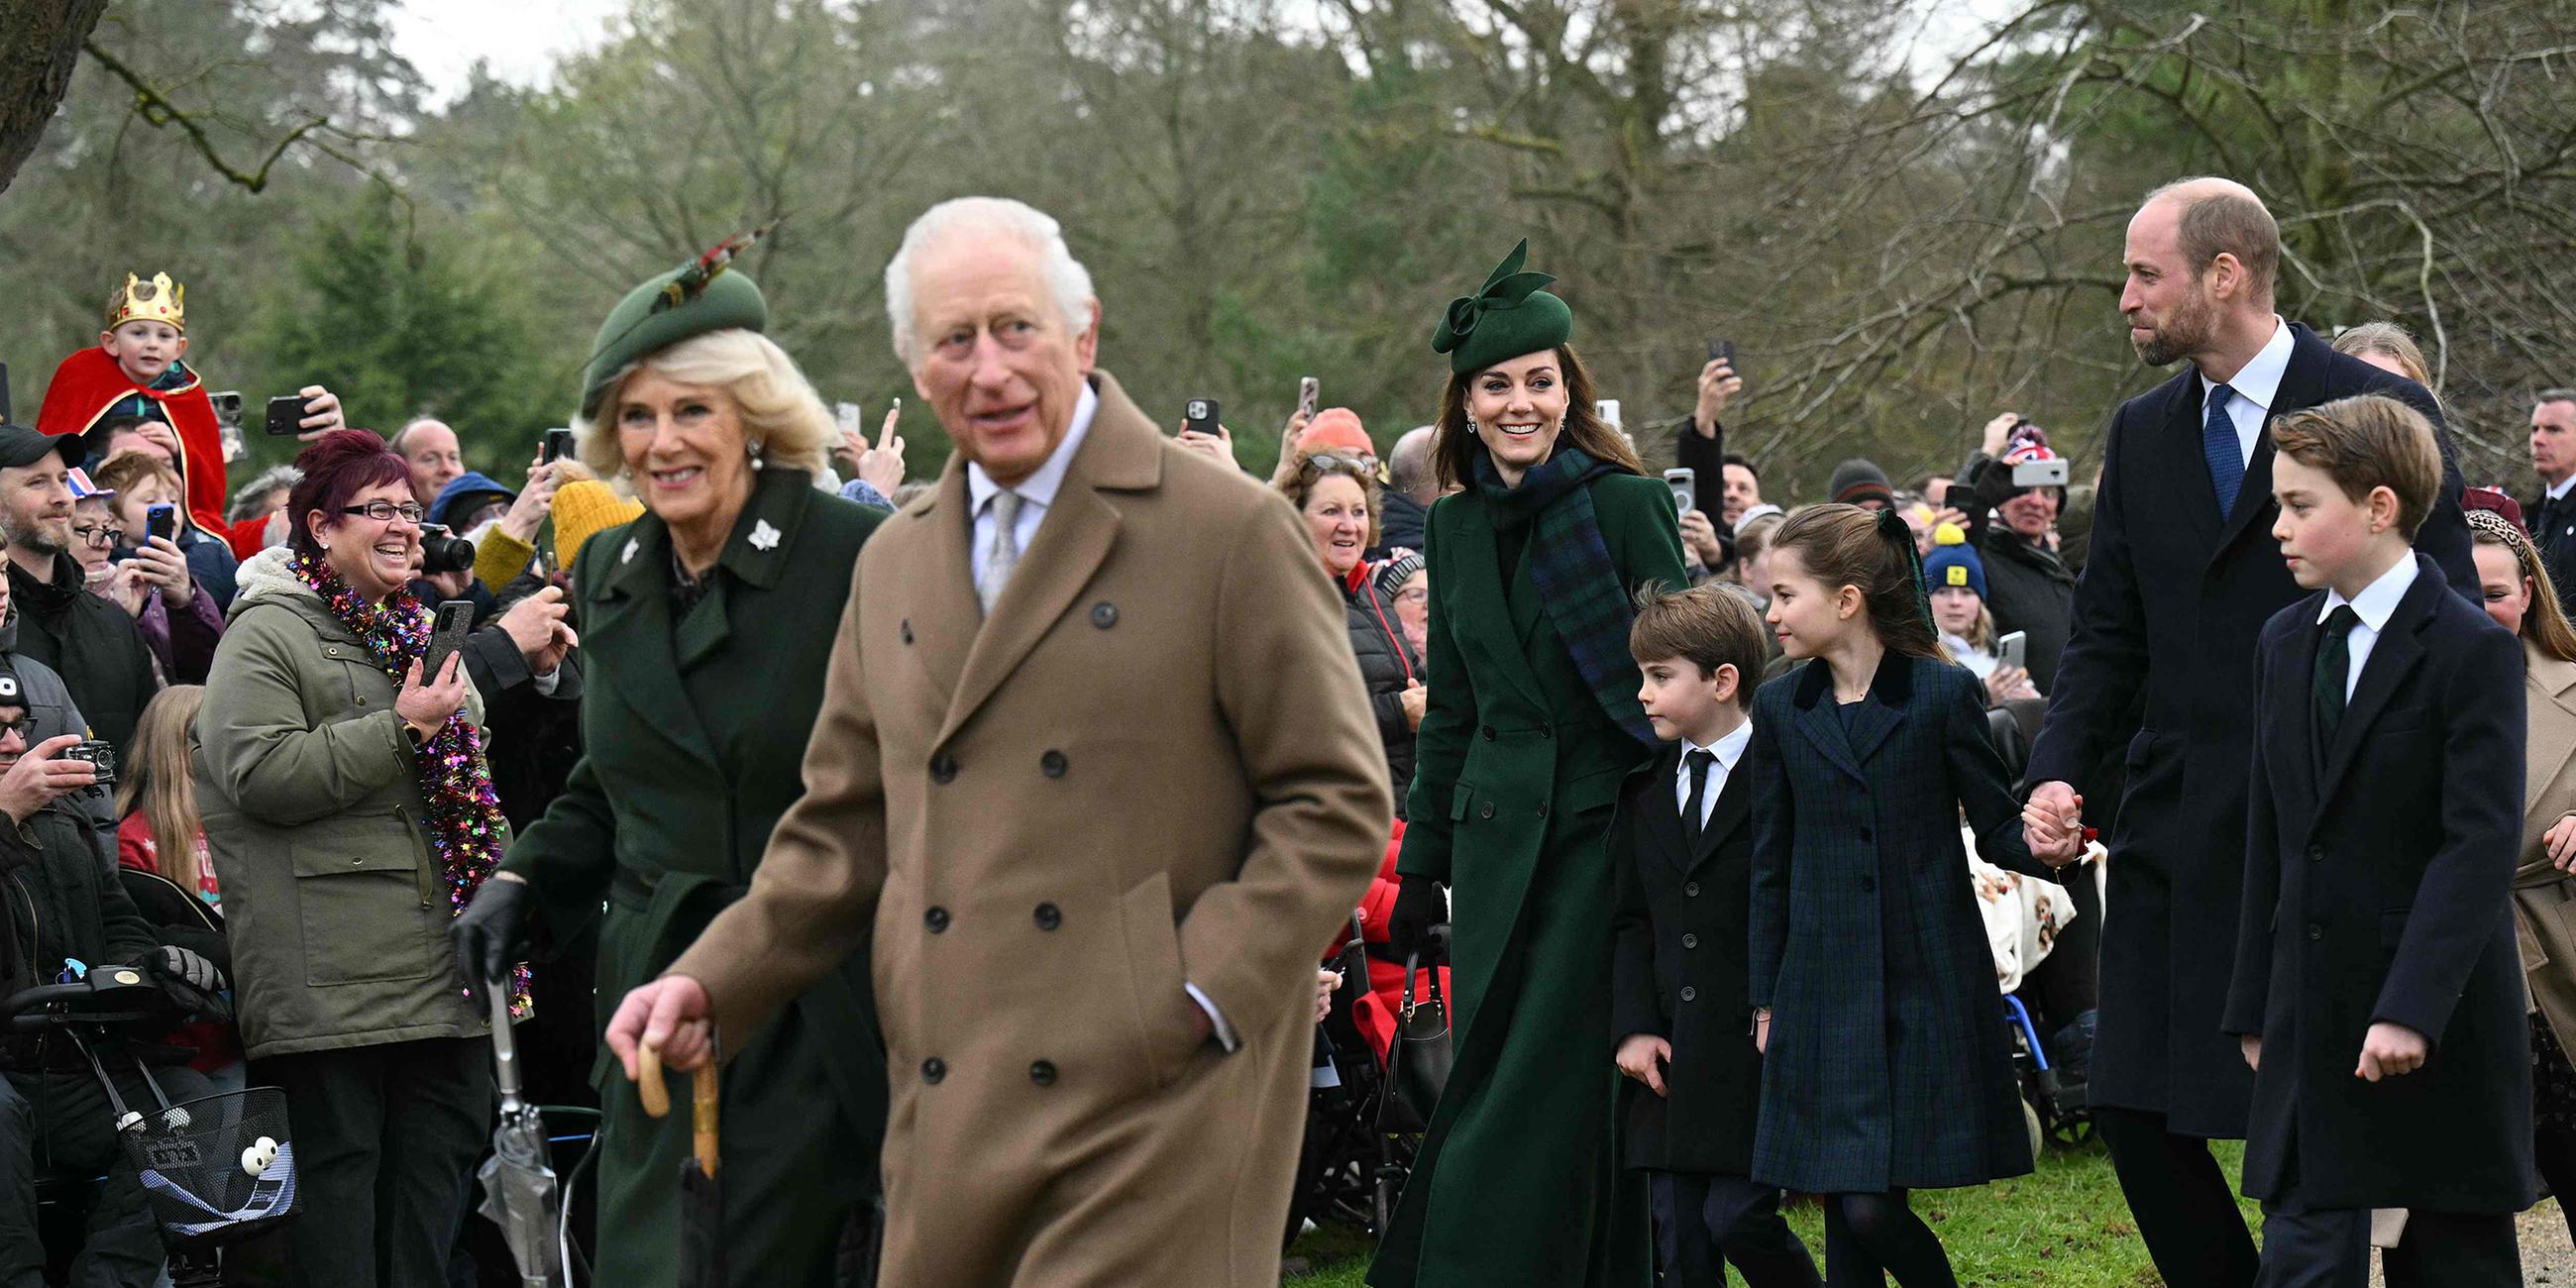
x=40 y=43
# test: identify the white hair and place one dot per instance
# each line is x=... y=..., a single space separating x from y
x=989 y=217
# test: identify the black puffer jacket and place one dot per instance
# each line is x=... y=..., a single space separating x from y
x=91 y=643
x=1387 y=663
x=59 y=899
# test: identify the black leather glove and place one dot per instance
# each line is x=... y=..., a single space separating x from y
x=1420 y=904
x=491 y=935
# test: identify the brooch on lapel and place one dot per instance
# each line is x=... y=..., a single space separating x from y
x=629 y=556
x=764 y=537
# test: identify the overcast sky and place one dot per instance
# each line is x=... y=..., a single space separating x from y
x=521 y=39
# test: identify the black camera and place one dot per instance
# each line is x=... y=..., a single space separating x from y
x=443 y=551
x=101 y=757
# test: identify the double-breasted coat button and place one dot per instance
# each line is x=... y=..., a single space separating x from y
x=1689 y=994
x=933 y=1069
x=2316 y=852
x=943 y=768
x=1690 y=941
x=1487 y=811
x=1690 y=889
x=2316 y=931
x=1542 y=809
x=1052 y=764
x=936 y=919
x=1868 y=882
x=1042 y=1072
x=1049 y=916
x=1488 y=731
x=1104 y=614
x=1545 y=731
x=907 y=630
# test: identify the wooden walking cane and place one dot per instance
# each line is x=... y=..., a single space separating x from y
x=704 y=1101
x=701 y=1262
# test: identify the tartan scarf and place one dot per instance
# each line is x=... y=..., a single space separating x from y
x=1576 y=580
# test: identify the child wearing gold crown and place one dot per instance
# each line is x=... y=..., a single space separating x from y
x=136 y=370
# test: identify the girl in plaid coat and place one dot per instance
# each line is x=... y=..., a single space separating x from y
x=1887 y=1067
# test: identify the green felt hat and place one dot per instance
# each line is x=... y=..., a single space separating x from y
x=1509 y=317
x=688 y=301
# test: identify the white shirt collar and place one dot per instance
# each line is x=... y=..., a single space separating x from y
x=2558 y=490
x=1039 y=488
x=1729 y=749
x=2378 y=599
x=2259 y=382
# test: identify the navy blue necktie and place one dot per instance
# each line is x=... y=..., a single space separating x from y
x=2218 y=443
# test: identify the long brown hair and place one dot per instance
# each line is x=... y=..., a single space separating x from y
x=1845 y=545
x=1454 y=446
x=2545 y=622
x=158 y=781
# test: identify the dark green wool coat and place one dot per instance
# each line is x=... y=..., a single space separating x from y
x=1519 y=768
x=695 y=732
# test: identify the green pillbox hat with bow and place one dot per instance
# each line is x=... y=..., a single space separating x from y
x=649 y=320
x=1511 y=316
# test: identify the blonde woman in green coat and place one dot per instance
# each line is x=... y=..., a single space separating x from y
x=706 y=624
x=1533 y=723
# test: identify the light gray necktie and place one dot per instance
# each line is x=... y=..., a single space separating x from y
x=1004 y=554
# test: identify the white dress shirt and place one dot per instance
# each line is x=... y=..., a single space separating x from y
x=2256 y=386
x=2558 y=491
x=1037 y=491
x=2376 y=601
x=1729 y=750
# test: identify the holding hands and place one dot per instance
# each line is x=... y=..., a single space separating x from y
x=2053 y=824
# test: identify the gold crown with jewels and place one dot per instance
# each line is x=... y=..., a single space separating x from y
x=158 y=300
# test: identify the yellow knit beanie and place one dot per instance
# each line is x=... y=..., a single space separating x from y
x=582 y=508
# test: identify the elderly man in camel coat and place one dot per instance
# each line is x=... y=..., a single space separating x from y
x=1094 y=779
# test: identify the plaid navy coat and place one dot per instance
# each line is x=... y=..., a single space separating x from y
x=1888 y=1063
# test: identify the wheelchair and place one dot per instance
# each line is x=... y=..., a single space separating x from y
x=214 y=1170
x=1354 y=1160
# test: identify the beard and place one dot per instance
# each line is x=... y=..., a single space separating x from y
x=2185 y=333
x=31 y=534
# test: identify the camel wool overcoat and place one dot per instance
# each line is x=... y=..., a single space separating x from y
x=1151 y=770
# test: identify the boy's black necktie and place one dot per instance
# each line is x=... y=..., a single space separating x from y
x=2334 y=665
x=1694 y=814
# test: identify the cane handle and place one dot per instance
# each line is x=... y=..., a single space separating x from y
x=648 y=1081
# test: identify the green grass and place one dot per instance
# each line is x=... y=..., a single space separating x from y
x=2064 y=1225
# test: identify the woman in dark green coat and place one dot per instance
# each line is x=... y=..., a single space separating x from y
x=706 y=625
x=1533 y=722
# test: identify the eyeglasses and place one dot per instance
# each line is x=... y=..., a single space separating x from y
x=1327 y=463
x=1417 y=595
x=385 y=511
x=23 y=726
x=97 y=535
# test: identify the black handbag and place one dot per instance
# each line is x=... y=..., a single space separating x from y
x=1417 y=1061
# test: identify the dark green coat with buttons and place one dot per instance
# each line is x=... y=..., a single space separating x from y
x=1519 y=768
x=695 y=730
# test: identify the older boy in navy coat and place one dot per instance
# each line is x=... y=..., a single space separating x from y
x=2377 y=991
x=1683 y=847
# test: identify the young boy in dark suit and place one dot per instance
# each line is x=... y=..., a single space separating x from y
x=2377 y=991
x=1683 y=848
